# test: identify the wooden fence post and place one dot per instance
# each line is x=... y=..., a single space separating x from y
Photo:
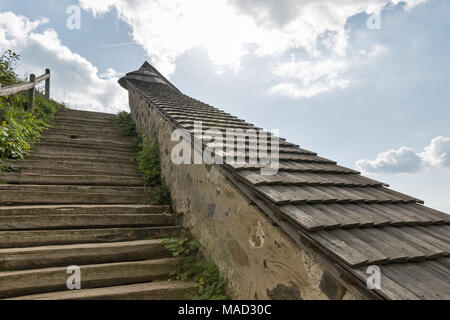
x=31 y=94
x=47 y=85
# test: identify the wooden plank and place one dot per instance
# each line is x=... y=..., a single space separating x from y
x=389 y=286
x=31 y=93
x=42 y=78
x=340 y=216
x=380 y=241
x=431 y=251
x=303 y=218
x=340 y=248
x=417 y=278
x=355 y=212
x=6 y=91
x=359 y=241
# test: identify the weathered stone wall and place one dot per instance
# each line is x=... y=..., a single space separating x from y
x=259 y=259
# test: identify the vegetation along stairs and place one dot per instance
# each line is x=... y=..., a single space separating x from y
x=79 y=200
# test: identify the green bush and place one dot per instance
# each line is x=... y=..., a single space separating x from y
x=147 y=158
x=210 y=285
x=8 y=61
x=148 y=161
x=161 y=195
x=19 y=130
x=126 y=124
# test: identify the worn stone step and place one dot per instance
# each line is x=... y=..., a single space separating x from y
x=160 y=290
x=79 y=139
x=83 y=209
x=77 y=157
x=11 y=194
x=86 y=114
x=130 y=169
x=88 y=120
x=84 y=126
x=84 y=118
x=87 y=180
x=83 y=137
x=72 y=188
x=112 y=134
x=42 y=194
x=75 y=171
x=21 y=239
x=82 y=221
x=100 y=147
x=86 y=154
x=19 y=283
x=81 y=254
x=79 y=128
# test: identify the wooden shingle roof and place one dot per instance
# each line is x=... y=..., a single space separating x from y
x=353 y=219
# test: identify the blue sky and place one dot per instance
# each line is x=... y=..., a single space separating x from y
x=375 y=99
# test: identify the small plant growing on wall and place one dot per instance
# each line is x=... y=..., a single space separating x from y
x=148 y=159
x=192 y=266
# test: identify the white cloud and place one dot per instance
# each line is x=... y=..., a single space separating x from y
x=311 y=77
x=406 y=160
x=231 y=29
x=75 y=80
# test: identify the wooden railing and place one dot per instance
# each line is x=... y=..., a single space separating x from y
x=30 y=86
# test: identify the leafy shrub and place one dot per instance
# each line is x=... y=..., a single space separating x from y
x=161 y=195
x=8 y=61
x=19 y=130
x=147 y=158
x=210 y=285
x=126 y=124
x=8 y=167
x=148 y=161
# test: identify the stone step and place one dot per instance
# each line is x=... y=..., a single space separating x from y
x=77 y=157
x=74 y=148
x=99 y=147
x=43 y=194
x=19 y=283
x=113 y=134
x=86 y=114
x=161 y=290
x=85 y=127
x=72 y=188
x=79 y=129
x=86 y=154
x=82 y=119
x=91 y=122
x=118 y=168
x=35 y=238
x=83 y=137
x=72 y=171
x=86 y=180
x=85 y=120
x=83 y=221
x=81 y=254
x=83 y=209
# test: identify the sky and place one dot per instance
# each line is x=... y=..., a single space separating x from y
x=362 y=82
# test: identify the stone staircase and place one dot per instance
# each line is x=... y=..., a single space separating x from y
x=79 y=200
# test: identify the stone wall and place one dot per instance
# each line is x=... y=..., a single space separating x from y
x=259 y=259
